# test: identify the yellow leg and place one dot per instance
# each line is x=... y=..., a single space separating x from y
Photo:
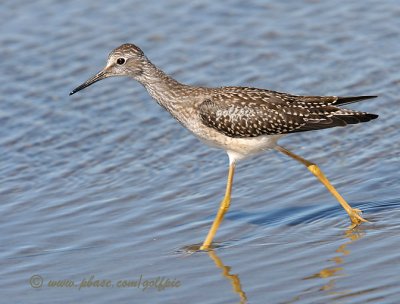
x=222 y=210
x=353 y=213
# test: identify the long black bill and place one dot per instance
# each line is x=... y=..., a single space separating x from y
x=99 y=76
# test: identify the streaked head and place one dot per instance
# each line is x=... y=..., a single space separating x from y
x=125 y=60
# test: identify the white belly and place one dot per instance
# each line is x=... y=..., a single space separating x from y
x=239 y=148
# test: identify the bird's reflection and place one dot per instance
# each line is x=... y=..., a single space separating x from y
x=352 y=235
x=232 y=278
x=335 y=271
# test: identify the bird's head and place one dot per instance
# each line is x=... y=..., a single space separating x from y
x=125 y=60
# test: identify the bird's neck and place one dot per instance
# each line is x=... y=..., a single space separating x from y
x=175 y=97
x=162 y=87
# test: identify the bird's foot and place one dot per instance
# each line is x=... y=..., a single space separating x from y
x=356 y=218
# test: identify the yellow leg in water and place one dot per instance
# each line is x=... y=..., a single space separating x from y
x=224 y=206
x=353 y=213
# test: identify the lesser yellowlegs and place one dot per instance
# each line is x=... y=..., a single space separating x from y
x=242 y=121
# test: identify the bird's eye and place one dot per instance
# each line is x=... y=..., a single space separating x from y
x=120 y=61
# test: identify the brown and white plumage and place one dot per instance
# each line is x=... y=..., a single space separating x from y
x=242 y=112
x=241 y=120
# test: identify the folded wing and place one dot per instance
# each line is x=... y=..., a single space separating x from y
x=249 y=112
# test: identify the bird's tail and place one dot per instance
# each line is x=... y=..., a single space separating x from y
x=351 y=99
x=353 y=117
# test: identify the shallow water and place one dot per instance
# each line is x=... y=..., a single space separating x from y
x=106 y=184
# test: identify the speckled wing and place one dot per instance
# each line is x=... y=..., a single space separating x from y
x=249 y=112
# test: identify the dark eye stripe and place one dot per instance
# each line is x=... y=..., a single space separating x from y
x=120 y=60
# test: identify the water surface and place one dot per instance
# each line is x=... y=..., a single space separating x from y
x=104 y=185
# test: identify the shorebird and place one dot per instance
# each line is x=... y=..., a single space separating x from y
x=243 y=121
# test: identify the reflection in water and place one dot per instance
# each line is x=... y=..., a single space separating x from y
x=233 y=278
x=333 y=272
